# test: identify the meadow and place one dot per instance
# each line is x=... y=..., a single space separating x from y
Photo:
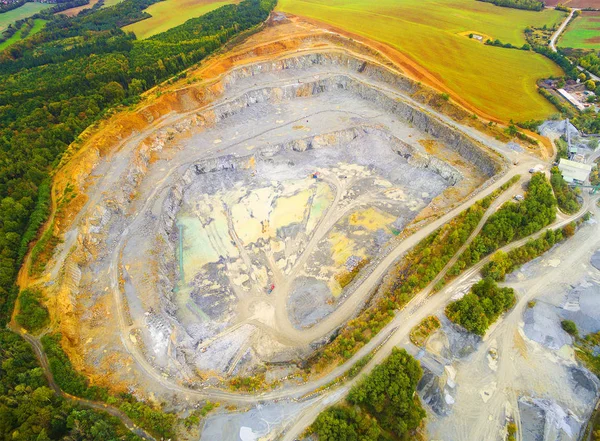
x=170 y=13
x=583 y=32
x=434 y=34
x=37 y=26
x=27 y=10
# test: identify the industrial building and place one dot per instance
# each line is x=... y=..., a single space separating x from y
x=574 y=172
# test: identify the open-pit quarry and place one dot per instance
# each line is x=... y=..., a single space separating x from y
x=215 y=238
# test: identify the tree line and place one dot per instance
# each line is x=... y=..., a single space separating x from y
x=513 y=221
x=503 y=263
x=528 y=5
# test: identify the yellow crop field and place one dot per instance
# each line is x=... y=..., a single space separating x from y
x=170 y=13
x=434 y=34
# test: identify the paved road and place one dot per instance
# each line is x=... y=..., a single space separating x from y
x=560 y=30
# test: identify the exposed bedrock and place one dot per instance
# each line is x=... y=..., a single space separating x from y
x=387 y=121
x=465 y=146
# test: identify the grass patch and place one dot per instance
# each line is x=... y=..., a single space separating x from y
x=27 y=10
x=583 y=32
x=420 y=333
x=170 y=13
x=38 y=25
x=430 y=34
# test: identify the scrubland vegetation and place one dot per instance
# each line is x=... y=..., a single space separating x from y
x=382 y=406
x=420 y=333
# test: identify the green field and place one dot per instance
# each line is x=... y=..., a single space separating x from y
x=170 y=13
x=501 y=82
x=109 y=3
x=27 y=10
x=38 y=25
x=583 y=32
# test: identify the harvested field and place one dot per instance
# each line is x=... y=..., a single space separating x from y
x=170 y=13
x=74 y=11
x=429 y=34
x=583 y=32
x=582 y=4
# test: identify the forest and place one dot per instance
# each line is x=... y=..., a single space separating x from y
x=53 y=85
x=57 y=82
x=30 y=410
x=382 y=406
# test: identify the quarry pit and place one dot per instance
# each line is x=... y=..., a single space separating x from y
x=237 y=232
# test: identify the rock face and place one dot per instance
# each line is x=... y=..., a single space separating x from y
x=139 y=212
x=466 y=147
x=596 y=260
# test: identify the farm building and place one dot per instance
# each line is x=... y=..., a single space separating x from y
x=574 y=171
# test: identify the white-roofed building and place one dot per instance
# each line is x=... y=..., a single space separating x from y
x=574 y=171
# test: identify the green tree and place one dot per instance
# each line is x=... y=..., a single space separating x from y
x=112 y=92
x=32 y=315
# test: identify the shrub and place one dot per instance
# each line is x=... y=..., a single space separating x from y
x=570 y=327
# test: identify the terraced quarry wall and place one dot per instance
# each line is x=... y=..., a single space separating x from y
x=220 y=238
